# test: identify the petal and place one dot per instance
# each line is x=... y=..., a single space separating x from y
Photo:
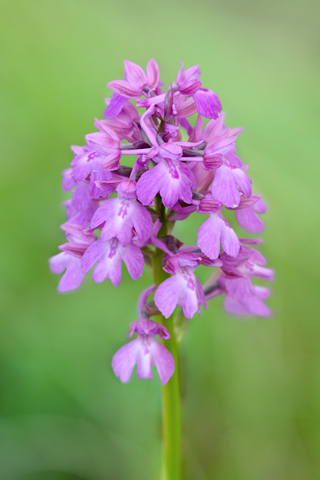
x=100 y=175
x=260 y=206
x=150 y=183
x=93 y=254
x=189 y=303
x=103 y=142
x=229 y=240
x=73 y=276
x=239 y=288
x=109 y=266
x=261 y=272
x=124 y=360
x=111 y=162
x=125 y=89
x=168 y=293
x=153 y=73
x=262 y=292
x=144 y=360
x=224 y=187
x=116 y=214
x=243 y=181
x=164 y=361
x=133 y=259
x=257 y=307
x=67 y=180
x=249 y=220
x=142 y=221
x=103 y=212
x=176 y=183
x=200 y=293
x=188 y=299
x=115 y=106
x=108 y=256
x=234 y=306
x=208 y=103
x=134 y=74
x=59 y=262
x=247 y=306
x=208 y=238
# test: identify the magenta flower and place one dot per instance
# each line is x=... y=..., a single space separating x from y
x=214 y=231
x=227 y=184
x=73 y=276
x=207 y=103
x=70 y=258
x=172 y=179
x=121 y=217
x=136 y=81
x=243 y=298
x=182 y=288
x=109 y=256
x=246 y=264
x=145 y=350
x=188 y=81
x=246 y=213
x=107 y=144
x=125 y=122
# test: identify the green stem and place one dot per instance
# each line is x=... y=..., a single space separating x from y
x=171 y=412
x=171 y=416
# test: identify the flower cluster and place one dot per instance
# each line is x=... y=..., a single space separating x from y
x=179 y=167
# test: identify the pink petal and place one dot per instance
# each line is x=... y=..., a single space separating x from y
x=247 y=219
x=108 y=268
x=59 y=262
x=73 y=276
x=224 y=187
x=134 y=74
x=133 y=258
x=248 y=306
x=115 y=106
x=124 y=360
x=208 y=103
x=167 y=295
x=243 y=181
x=142 y=221
x=229 y=240
x=93 y=254
x=163 y=361
x=125 y=89
x=153 y=73
x=108 y=256
x=117 y=215
x=208 y=238
x=149 y=183
x=260 y=207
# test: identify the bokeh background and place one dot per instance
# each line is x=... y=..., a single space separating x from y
x=251 y=390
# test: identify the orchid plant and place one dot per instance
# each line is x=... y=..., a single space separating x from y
x=119 y=213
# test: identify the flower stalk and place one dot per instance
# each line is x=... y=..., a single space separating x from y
x=171 y=412
x=171 y=399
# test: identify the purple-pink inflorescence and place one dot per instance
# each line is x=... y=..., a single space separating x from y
x=112 y=214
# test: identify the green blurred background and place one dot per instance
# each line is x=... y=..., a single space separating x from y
x=251 y=389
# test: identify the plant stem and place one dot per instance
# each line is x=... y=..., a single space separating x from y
x=171 y=412
x=171 y=416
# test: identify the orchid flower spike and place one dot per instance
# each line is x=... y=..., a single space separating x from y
x=120 y=212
